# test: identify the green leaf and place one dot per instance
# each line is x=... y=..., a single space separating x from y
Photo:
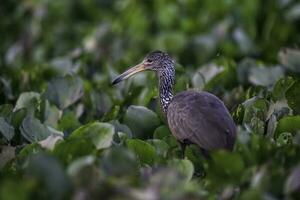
x=51 y=140
x=101 y=102
x=123 y=132
x=49 y=171
x=80 y=163
x=144 y=151
x=281 y=86
x=63 y=65
x=251 y=194
x=279 y=109
x=284 y=139
x=225 y=167
x=243 y=69
x=121 y=128
x=18 y=117
x=141 y=121
x=50 y=114
x=146 y=95
x=255 y=108
x=293 y=97
x=265 y=76
x=6 y=110
x=231 y=163
x=68 y=122
x=256 y=91
x=224 y=80
x=289 y=124
x=184 y=166
x=205 y=74
x=238 y=114
x=164 y=133
x=71 y=149
x=122 y=137
x=100 y=134
x=161 y=146
x=28 y=100
x=290 y=58
x=33 y=130
x=257 y=125
x=28 y=150
x=12 y=189
x=65 y=91
x=6 y=129
x=119 y=161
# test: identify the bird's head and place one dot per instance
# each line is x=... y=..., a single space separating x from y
x=157 y=61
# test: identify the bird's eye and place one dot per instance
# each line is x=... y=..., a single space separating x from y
x=149 y=60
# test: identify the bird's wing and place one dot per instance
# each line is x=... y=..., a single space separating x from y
x=201 y=118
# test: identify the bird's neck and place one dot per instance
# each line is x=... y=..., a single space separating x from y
x=166 y=82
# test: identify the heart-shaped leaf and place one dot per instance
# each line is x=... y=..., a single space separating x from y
x=64 y=91
x=28 y=100
x=100 y=134
x=144 y=151
x=33 y=130
x=141 y=121
x=265 y=76
x=289 y=124
x=184 y=166
x=6 y=129
x=160 y=146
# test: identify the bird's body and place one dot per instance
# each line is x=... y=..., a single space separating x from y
x=193 y=117
x=202 y=119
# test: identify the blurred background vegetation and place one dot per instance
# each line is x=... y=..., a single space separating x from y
x=67 y=133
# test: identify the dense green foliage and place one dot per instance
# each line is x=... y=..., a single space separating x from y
x=67 y=133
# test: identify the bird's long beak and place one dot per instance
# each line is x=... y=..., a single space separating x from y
x=138 y=68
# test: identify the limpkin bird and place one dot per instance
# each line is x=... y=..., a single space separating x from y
x=193 y=117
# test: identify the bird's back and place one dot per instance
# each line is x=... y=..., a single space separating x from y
x=202 y=119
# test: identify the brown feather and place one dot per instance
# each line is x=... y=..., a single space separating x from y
x=202 y=119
